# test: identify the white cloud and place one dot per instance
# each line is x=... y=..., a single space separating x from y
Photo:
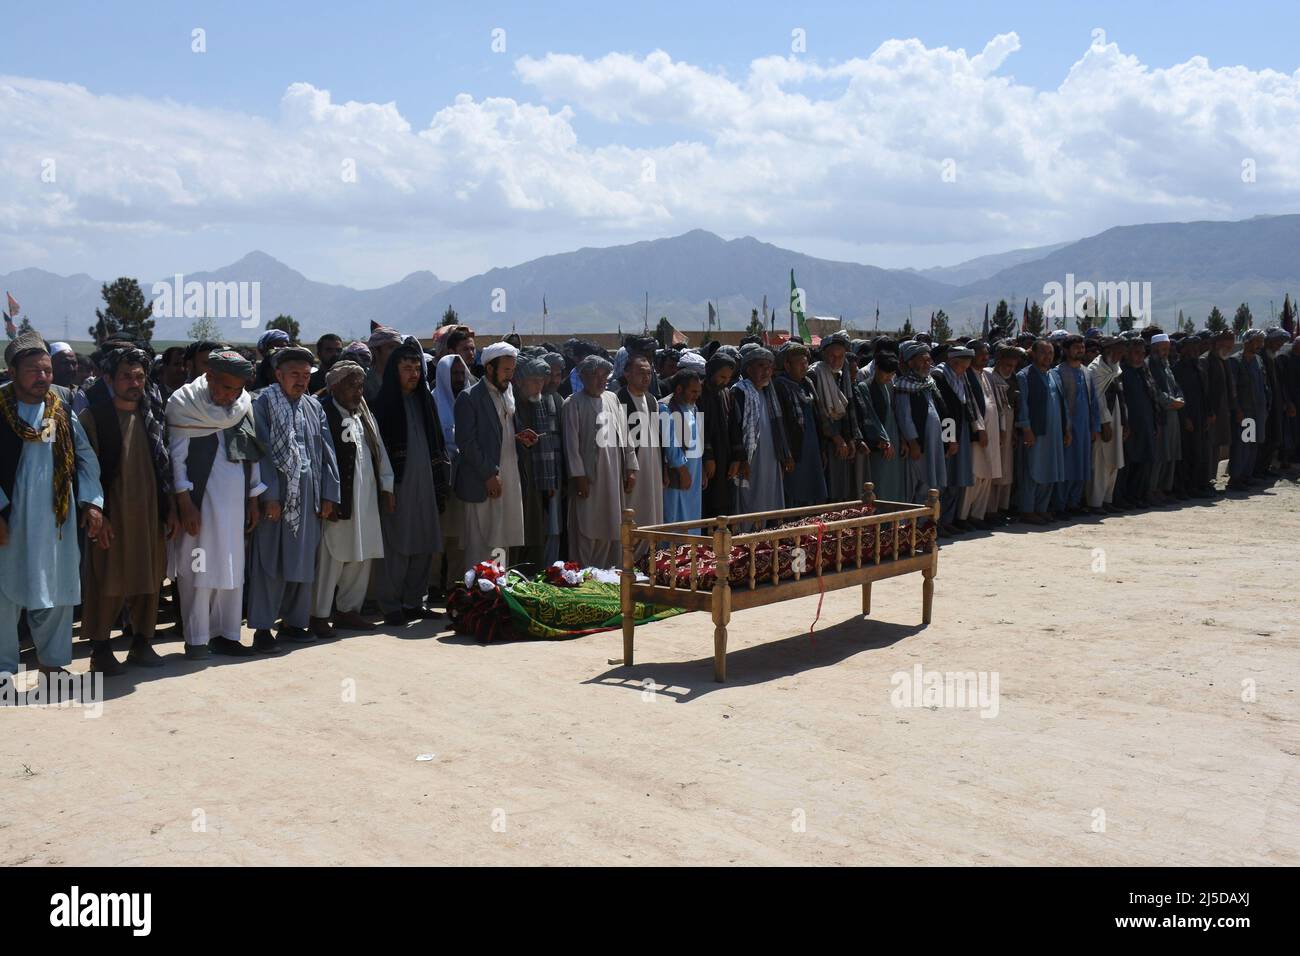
x=848 y=153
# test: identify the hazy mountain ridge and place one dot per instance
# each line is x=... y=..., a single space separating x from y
x=1190 y=266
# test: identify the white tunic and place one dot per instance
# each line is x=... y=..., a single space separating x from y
x=360 y=537
x=498 y=522
x=986 y=462
x=214 y=559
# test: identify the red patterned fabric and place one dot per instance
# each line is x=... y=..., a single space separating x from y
x=678 y=559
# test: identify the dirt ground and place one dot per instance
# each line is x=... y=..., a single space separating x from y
x=1146 y=714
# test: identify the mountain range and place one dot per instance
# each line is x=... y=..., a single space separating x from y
x=1191 y=266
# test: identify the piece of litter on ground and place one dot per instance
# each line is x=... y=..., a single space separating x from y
x=426 y=756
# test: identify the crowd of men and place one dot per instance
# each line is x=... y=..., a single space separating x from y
x=297 y=491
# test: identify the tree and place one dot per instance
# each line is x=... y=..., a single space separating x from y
x=286 y=323
x=1001 y=315
x=1125 y=319
x=125 y=313
x=1215 y=322
x=756 y=326
x=1242 y=320
x=942 y=331
x=1088 y=318
x=449 y=318
x=1288 y=313
x=203 y=330
x=25 y=325
x=1036 y=320
x=908 y=331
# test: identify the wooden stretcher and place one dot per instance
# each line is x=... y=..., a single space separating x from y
x=892 y=528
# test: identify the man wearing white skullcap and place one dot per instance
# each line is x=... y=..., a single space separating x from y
x=1169 y=397
x=487 y=463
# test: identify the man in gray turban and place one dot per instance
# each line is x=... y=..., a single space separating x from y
x=603 y=469
x=354 y=538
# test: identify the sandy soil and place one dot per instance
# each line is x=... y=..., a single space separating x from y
x=1121 y=734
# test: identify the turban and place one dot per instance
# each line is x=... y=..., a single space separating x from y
x=910 y=350
x=294 y=353
x=1057 y=335
x=499 y=350
x=691 y=360
x=358 y=352
x=553 y=359
x=960 y=352
x=342 y=370
x=230 y=362
x=1158 y=338
x=384 y=336
x=57 y=347
x=1092 y=333
x=754 y=353
x=1252 y=334
x=272 y=339
x=532 y=366
x=641 y=344
x=1270 y=335
x=593 y=362
x=27 y=343
x=791 y=348
x=837 y=338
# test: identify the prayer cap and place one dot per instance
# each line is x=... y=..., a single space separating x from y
x=1158 y=338
x=691 y=360
x=272 y=339
x=342 y=370
x=592 y=363
x=293 y=353
x=26 y=343
x=754 y=353
x=499 y=350
x=790 y=347
x=911 y=349
x=230 y=362
x=358 y=352
x=384 y=335
x=532 y=366
x=57 y=347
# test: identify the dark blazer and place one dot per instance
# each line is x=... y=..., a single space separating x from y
x=478 y=438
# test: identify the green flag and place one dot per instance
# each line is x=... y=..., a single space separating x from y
x=796 y=309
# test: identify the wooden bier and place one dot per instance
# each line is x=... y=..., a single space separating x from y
x=830 y=575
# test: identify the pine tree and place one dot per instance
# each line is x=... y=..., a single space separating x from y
x=1088 y=318
x=125 y=313
x=449 y=318
x=1215 y=322
x=755 y=326
x=1036 y=320
x=1242 y=320
x=1288 y=313
x=942 y=327
x=1002 y=315
x=1126 y=318
x=908 y=331
x=286 y=323
x=25 y=325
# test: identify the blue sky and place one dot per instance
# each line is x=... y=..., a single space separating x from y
x=421 y=56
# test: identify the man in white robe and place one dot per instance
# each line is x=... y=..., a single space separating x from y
x=354 y=537
x=213 y=451
x=986 y=457
x=1108 y=451
x=485 y=431
x=601 y=465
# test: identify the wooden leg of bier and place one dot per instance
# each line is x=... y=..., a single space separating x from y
x=866 y=599
x=627 y=605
